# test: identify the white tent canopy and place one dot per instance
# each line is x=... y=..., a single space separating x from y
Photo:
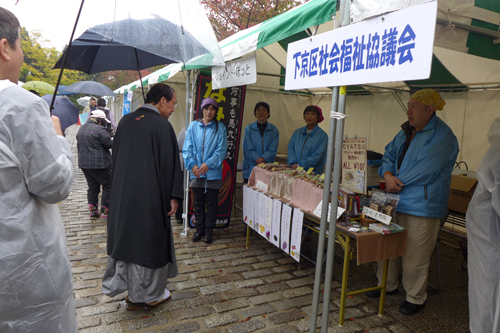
x=471 y=90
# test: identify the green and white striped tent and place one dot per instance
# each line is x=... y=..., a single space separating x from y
x=465 y=68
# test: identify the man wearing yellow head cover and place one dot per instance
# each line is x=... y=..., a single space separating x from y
x=417 y=165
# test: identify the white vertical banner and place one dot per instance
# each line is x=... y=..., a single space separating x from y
x=393 y=47
x=296 y=237
x=276 y=224
x=286 y=216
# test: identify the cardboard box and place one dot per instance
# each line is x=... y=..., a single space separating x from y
x=462 y=187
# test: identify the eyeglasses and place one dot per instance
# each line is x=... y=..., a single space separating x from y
x=175 y=103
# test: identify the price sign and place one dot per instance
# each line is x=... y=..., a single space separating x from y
x=377 y=215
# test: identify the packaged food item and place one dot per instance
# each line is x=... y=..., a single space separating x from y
x=385 y=203
x=347 y=200
x=385 y=229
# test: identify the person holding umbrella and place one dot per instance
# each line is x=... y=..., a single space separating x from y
x=94 y=158
x=145 y=184
x=92 y=105
x=204 y=150
x=36 y=172
x=111 y=126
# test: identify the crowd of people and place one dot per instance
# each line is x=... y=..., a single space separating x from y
x=142 y=190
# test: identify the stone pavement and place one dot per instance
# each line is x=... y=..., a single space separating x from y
x=224 y=287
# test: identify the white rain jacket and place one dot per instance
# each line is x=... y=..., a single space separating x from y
x=483 y=234
x=36 y=171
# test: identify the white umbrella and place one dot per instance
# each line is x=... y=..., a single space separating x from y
x=84 y=101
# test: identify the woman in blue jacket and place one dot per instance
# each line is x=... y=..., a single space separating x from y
x=307 y=147
x=204 y=151
x=260 y=143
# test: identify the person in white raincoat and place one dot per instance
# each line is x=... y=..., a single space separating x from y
x=36 y=171
x=483 y=234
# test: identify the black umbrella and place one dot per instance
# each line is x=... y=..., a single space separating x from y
x=131 y=45
x=66 y=111
x=92 y=53
x=168 y=31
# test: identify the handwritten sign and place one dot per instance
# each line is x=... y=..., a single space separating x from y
x=236 y=73
x=296 y=236
x=393 y=47
x=248 y=206
x=319 y=208
x=377 y=215
x=354 y=165
x=286 y=216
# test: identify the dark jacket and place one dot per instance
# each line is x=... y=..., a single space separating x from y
x=93 y=142
x=145 y=177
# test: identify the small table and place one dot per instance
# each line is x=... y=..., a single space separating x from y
x=370 y=246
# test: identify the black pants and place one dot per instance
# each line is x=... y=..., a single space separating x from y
x=96 y=178
x=205 y=220
x=180 y=208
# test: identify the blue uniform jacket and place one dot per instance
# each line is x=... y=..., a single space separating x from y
x=205 y=144
x=256 y=146
x=425 y=170
x=308 y=150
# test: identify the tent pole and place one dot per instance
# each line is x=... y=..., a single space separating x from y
x=339 y=134
x=185 y=213
x=336 y=133
x=324 y=218
x=65 y=57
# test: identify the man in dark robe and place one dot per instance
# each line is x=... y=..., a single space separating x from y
x=145 y=182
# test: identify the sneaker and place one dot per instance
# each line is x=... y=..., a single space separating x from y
x=198 y=235
x=104 y=212
x=408 y=308
x=94 y=213
x=376 y=293
x=208 y=236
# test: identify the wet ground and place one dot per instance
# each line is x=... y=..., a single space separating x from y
x=225 y=287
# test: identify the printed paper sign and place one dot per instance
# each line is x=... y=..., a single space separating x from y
x=236 y=73
x=261 y=185
x=264 y=227
x=248 y=207
x=377 y=215
x=286 y=216
x=354 y=164
x=256 y=209
x=276 y=225
x=393 y=47
x=296 y=237
x=319 y=208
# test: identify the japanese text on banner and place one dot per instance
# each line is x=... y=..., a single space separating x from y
x=397 y=46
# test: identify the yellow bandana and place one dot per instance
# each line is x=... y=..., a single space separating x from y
x=429 y=97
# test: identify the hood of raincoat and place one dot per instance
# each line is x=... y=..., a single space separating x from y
x=494 y=133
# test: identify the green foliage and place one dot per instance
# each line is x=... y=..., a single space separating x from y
x=39 y=61
x=230 y=16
